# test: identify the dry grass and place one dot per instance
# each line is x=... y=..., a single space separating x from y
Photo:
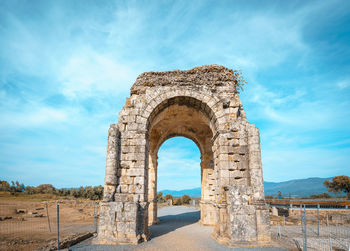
x=31 y=229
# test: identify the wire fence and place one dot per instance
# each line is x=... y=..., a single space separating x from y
x=28 y=225
x=313 y=227
x=39 y=225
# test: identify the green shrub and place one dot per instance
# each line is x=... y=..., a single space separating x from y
x=320 y=196
x=186 y=199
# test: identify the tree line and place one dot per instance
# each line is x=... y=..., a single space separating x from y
x=337 y=185
x=88 y=192
x=184 y=199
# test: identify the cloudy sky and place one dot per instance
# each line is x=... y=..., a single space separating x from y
x=66 y=68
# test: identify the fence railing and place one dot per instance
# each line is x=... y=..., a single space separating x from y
x=36 y=225
x=312 y=226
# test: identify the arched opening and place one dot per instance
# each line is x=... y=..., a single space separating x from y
x=190 y=118
x=178 y=165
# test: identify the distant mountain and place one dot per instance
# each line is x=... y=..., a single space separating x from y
x=295 y=188
x=193 y=193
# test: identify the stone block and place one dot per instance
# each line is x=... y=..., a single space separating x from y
x=119 y=197
x=135 y=172
x=274 y=211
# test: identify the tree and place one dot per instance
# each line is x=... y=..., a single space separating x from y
x=45 y=188
x=29 y=190
x=169 y=197
x=178 y=201
x=4 y=186
x=185 y=199
x=16 y=187
x=339 y=184
x=160 y=197
x=19 y=187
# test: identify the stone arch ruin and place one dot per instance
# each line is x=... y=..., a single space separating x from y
x=201 y=104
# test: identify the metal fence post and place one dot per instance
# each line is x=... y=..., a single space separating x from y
x=318 y=219
x=301 y=217
x=95 y=227
x=305 y=236
x=58 y=226
x=278 y=230
x=48 y=217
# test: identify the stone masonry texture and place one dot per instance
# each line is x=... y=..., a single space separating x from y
x=203 y=105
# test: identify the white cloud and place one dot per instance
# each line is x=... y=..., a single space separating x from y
x=87 y=73
x=296 y=163
x=34 y=117
x=343 y=84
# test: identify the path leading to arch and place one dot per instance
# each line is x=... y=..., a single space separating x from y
x=178 y=230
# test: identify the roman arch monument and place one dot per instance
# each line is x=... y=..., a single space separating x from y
x=201 y=104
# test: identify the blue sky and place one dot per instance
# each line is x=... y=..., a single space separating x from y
x=66 y=68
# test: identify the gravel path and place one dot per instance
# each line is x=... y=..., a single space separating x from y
x=178 y=230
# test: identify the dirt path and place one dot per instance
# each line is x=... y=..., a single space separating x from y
x=178 y=230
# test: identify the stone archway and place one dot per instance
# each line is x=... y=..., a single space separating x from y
x=201 y=104
x=182 y=116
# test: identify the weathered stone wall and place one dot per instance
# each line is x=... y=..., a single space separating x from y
x=201 y=104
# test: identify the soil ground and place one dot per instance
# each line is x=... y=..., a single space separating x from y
x=25 y=224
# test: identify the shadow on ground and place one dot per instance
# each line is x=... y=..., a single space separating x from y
x=170 y=223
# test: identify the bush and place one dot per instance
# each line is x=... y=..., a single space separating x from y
x=186 y=199
x=45 y=188
x=168 y=197
x=160 y=197
x=178 y=202
x=4 y=186
x=320 y=196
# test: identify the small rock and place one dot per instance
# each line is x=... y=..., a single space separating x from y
x=21 y=211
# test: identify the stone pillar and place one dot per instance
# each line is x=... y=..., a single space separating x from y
x=152 y=189
x=242 y=226
x=221 y=166
x=256 y=178
x=208 y=193
x=112 y=163
x=240 y=188
x=106 y=227
x=124 y=217
x=255 y=165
